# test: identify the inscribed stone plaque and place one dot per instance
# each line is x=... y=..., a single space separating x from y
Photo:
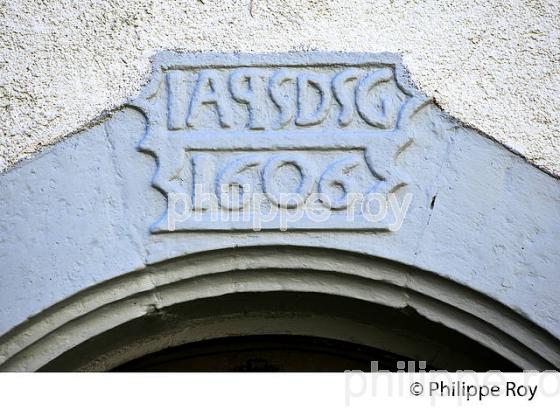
x=277 y=141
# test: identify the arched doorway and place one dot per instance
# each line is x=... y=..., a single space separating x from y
x=318 y=301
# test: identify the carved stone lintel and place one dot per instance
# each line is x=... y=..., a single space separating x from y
x=277 y=125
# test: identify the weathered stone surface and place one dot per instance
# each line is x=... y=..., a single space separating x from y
x=342 y=127
x=87 y=210
x=490 y=63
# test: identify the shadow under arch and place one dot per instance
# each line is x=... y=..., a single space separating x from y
x=324 y=293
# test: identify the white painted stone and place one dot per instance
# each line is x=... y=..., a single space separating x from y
x=492 y=64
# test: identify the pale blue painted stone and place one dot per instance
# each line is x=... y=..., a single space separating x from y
x=82 y=212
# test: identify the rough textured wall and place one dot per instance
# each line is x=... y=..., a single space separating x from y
x=492 y=64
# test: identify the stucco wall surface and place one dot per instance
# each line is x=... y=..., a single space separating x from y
x=492 y=64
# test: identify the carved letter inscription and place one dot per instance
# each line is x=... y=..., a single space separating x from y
x=286 y=132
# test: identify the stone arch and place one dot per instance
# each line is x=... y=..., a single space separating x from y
x=70 y=334
x=91 y=252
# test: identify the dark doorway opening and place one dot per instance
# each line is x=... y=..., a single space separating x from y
x=316 y=332
x=267 y=353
